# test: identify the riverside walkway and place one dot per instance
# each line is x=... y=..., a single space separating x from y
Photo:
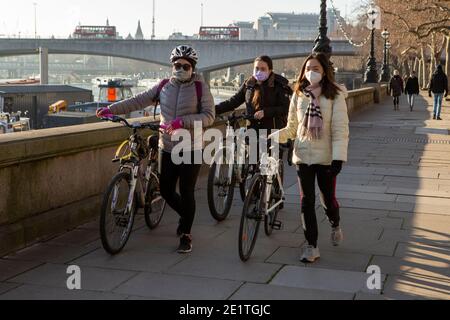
x=395 y=205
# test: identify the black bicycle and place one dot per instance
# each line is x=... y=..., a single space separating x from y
x=230 y=165
x=135 y=186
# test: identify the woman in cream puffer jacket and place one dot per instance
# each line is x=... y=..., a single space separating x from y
x=334 y=142
x=318 y=121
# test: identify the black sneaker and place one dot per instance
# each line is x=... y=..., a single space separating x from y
x=438 y=118
x=185 y=244
x=434 y=117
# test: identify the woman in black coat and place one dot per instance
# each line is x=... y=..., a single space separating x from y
x=266 y=96
x=412 y=88
x=396 y=88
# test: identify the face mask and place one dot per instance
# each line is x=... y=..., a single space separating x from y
x=261 y=75
x=313 y=77
x=182 y=75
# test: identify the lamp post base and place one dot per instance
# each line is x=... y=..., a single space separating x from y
x=371 y=75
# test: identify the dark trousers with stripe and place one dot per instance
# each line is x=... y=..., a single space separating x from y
x=327 y=186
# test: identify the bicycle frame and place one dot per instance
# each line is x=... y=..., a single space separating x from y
x=270 y=165
x=232 y=152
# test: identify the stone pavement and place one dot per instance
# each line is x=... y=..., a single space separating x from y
x=395 y=206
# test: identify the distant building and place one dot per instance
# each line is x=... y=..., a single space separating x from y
x=285 y=26
x=180 y=36
x=139 y=35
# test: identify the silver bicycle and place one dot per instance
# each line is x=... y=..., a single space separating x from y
x=265 y=198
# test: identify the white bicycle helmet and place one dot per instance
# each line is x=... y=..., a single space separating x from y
x=184 y=52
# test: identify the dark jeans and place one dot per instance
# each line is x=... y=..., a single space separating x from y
x=327 y=185
x=184 y=202
x=396 y=100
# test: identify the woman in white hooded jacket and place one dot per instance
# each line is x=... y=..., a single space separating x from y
x=318 y=121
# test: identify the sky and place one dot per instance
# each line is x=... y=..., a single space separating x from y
x=59 y=18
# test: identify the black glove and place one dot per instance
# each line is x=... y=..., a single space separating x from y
x=336 y=167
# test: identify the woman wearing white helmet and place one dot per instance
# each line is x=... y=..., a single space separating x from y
x=184 y=100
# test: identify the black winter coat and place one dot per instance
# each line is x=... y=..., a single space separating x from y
x=275 y=100
x=412 y=85
x=439 y=83
x=396 y=86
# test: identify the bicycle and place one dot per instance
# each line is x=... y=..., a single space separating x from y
x=135 y=186
x=230 y=165
x=264 y=200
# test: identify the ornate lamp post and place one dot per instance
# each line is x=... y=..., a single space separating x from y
x=388 y=58
x=322 y=43
x=371 y=75
x=385 y=74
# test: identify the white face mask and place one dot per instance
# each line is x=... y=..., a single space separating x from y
x=313 y=77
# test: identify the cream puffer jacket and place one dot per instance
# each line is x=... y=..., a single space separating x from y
x=333 y=144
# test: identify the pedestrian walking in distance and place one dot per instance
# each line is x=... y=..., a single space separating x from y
x=412 y=89
x=439 y=87
x=396 y=89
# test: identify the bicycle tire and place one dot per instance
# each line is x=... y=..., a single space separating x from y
x=219 y=215
x=271 y=217
x=247 y=176
x=152 y=218
x=247 y=245
x=107 y=244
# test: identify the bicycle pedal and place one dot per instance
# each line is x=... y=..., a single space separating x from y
x=277 y=225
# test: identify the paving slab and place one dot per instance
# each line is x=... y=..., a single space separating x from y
x=31 y=292
x=225 y=269
x=6 y=286
x=329 y=259
x=254 y=291
x=416 y=287
x=54 y=275
x=178 y=287
x=381 y=205
x=77 y=237
x=11 y=268
x=50 y=253
x=413 y=265
x=130 y=260
x=323 y=279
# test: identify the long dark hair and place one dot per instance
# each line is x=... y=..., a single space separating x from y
x=256 y=101
x=329 y=87
x=267 y=60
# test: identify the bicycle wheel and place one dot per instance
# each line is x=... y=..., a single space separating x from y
x=248 y=171
x=272 y=216
x=220 y=191
x=116 y=221
x=154 y=204
x=251 y=217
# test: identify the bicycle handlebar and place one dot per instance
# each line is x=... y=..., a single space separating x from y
x=233 y=117
x=135 y=125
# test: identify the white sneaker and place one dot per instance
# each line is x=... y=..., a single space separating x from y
x=310 y=254
x=336 y=236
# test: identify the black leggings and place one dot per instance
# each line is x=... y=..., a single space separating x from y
x=327 y=185
x=184 y=202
